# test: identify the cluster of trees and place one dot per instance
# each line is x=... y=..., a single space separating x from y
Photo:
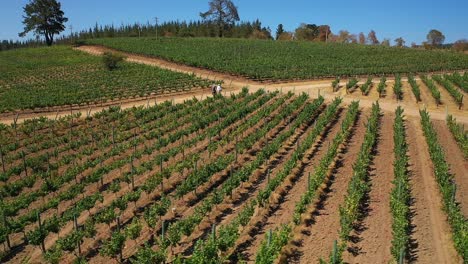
x=10 y=44
x=177 y=29
x=312 y=32
x=220 y=20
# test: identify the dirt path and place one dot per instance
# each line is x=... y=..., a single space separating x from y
x=374 y=236
x=408 y=95
x=318 y=241
x=234 y=84
x=283 y=215
x=458 y=165
x=431 y=232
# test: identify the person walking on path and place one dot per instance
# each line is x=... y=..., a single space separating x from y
x=213 y=89
x=219 y=89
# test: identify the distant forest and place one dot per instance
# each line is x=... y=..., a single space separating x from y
x=246 y=29
x=167 y=29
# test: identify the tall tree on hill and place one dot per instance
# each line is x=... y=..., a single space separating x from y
x=460 y=45
x=223 y=13
x=385 y=42
x=362 y=38
x=435 y=37
x=286 y=36
x=400 y=42
x=279 y=31
x=324 y=33
x=344 y=36
x=307 y=32
x=372 y=38
x=44 y=17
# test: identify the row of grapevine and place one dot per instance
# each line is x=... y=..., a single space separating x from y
x=336 y=84
x=204 y=250
x=365 y=88
x=459 y=80
x=453 y=91
x=414 y=87
x=381 y=87
x=358 y=186
x=320 y=172
x=459 y=133
x=397 y=88
x=447 y=187
x=270 y=248
x=400 y=196
x=434 y=91
x=351 y=85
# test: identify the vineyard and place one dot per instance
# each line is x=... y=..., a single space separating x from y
x=58 y=76
x=288 y=60
x=264 y=177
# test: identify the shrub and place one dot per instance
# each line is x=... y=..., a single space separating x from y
x=111 y=60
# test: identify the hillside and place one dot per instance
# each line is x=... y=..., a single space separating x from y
x=55 y=76
x=269 y=60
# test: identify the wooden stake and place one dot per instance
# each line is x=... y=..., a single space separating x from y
x=24 y=163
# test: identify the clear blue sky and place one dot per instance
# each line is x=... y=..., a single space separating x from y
x=410 y=19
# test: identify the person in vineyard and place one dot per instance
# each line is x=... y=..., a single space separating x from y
x=219 y=89
x=213 y=89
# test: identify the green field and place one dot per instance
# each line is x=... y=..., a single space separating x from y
x=274 y=60
x=59 y=75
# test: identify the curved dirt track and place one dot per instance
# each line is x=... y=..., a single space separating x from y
x=234 y=84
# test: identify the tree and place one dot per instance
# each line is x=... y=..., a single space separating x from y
x=400 y=42
x=260 y=34
x=460 y=45
x=111 y=60
x=344 y=36
x=307 y=32
x=223 y=13
x=324 y=33
x=362 y=38
x=279 y=31
x=43 y=17
x=286 y=36
x=386 y=42
x=372 y=38
x=435 y=38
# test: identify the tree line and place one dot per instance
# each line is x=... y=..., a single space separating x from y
x=220 y=20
